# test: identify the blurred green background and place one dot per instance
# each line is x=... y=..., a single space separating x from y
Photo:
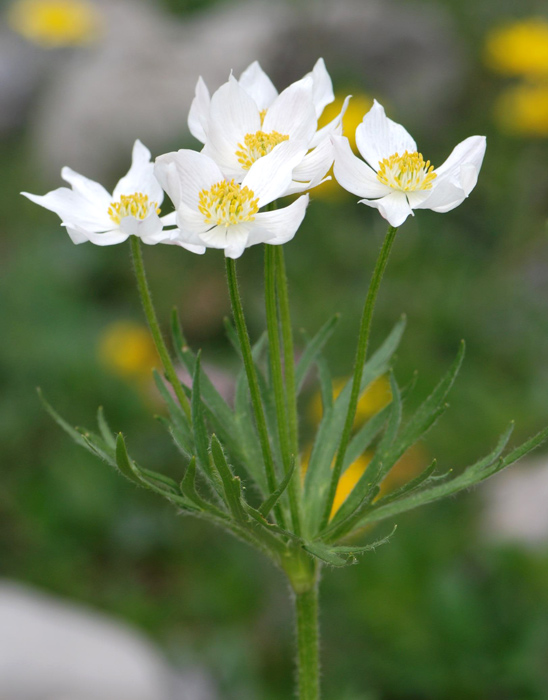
x=440 y=612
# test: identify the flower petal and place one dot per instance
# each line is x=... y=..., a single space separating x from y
x=140 y=177
x=199 y=111
x=279 y=226
x=191 y=221
x=112 y=237
x=185 y=173
x=334 y=128
x=73 y=209
x=394 y=207
x=90 y=190
x=271 y=176
x=258 y=85
x=313 y=167
x=145 y=229
x=232 y=115
x=232 y=239
x=457 y=176
x=353 y=174
x=293 y=113
x=322 y=92
x=378 y=137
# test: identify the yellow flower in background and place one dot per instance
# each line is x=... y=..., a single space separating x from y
x=357 y=107
x=55 y=23
x=127 y=350
x=348 y=480
x=519 y=48
x=523 y=109
x=374 y=398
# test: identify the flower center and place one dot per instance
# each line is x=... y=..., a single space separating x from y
x=406 y=173
x=257 y=145
x=136 y=205
x=228 y=203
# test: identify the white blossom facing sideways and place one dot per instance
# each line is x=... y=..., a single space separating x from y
x=395 y=179
x=218 y=212
x=90 y=213
x=246 y=119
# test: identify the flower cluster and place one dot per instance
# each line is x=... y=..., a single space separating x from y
x=259 y=146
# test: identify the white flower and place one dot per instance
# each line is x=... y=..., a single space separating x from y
x=246 y=119
x=219 y=212
x=90 y=213
x=397 y=179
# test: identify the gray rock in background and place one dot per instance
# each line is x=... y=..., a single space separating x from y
x=515 y=505
x=52 y=650
x=139 y=81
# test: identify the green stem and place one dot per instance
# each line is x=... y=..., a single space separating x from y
x=146 y=300
x=361 y=354
x=306 y=607
x=245 y=345
x=275 y=356
x=289 y=354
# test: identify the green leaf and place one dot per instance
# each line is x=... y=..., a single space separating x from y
x=476 y=473
x=201 y=439
x=188 y=489
x=364 y=490
x=124 y=463
x=325 y=553
x=331 y=427
x=271 y=501
x=98 y=446
x=312 y=350
x=365 y=436
x=413 y=485
x=74 y=434
x=178 y=417
x=429 y=411
x=232 y=485
x=106 y=432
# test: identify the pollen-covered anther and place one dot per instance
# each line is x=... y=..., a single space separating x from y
x=136 y=205
x=406 y=173
x=228 y=203
x=257 y=145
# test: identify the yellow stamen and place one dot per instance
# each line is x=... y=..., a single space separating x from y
x=257 y=145
x=406 y=173
x=136 y=205
x=262 y=114
x=228 y=203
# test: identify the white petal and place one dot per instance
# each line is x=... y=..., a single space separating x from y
x=199 y=249
x=334 y=128
x=140 y=177
x=353 y=174
x=313 y=167
x=169 y=219
x=199 y=111
x=90 y=190
x=378 y=137
x=457 y=176
x=271 y=176
x=293 y=113
x=191 y=221
x=233 y=239
x=322 y=93
x=73 y=209
x=232 y=115
x=145 y=229
x=394 y=207
x=77 y=236
x=185 y=173
x=258 y=85
x=112 y=237
x=279 y=226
